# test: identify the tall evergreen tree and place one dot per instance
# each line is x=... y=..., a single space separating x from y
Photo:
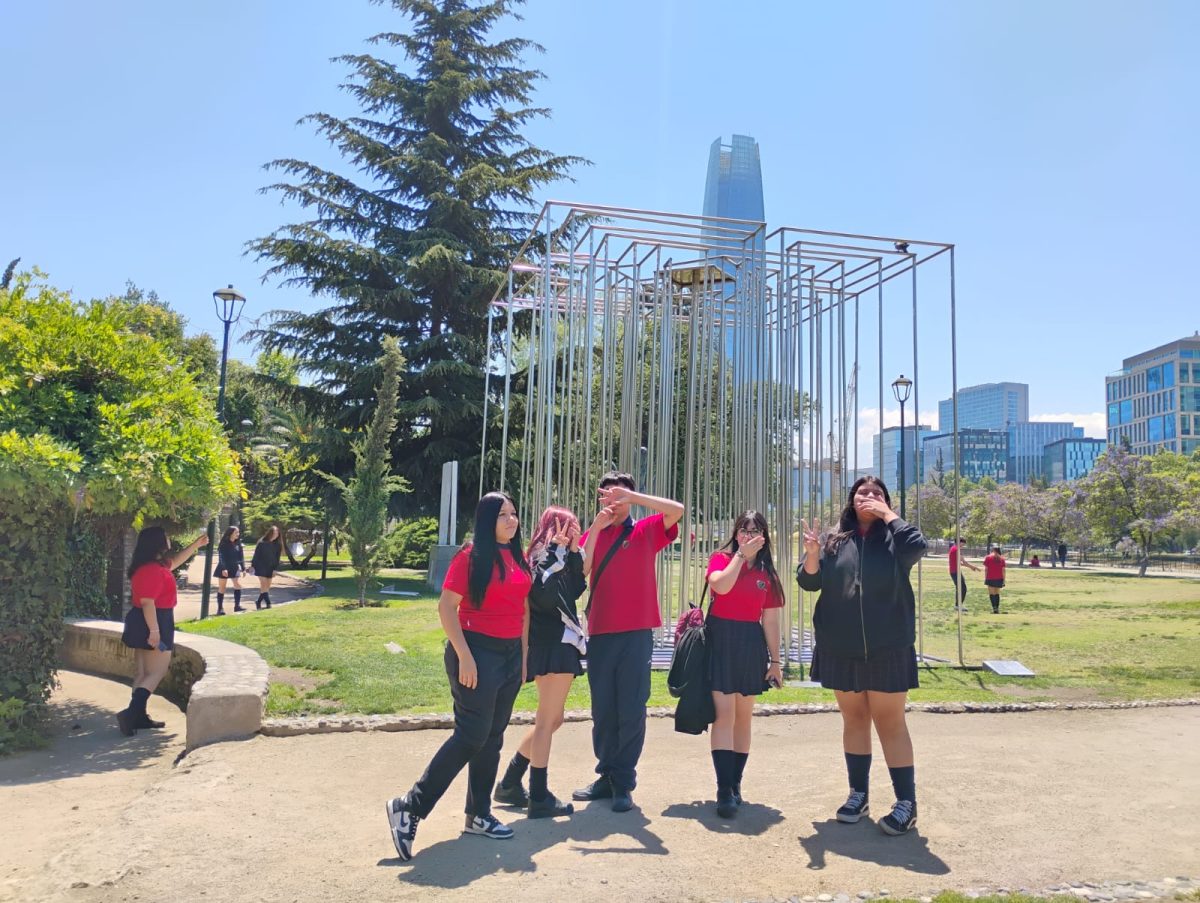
x=415 y=243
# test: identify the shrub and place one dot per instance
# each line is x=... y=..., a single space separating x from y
x=411 y=540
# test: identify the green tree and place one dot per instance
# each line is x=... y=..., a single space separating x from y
x=416 y=243
x=367 y=493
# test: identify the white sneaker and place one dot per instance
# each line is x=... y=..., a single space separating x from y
x=403 y=826
x=487 y=826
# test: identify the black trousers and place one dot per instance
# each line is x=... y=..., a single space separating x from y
x=961 y=590
x=619 y=677
x=480 y=717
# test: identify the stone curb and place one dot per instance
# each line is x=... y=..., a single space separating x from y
x=1092 y=891
x=335 y=724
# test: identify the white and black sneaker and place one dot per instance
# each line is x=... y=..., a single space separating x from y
x=403 y=825
x=902 y=817
x=487 y=826
x=854 y=809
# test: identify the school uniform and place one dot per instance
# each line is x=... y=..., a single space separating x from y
x=993 y=571
x=621 y=622
x=231 y=559
x=738 y=653
x=151 y=581
x=266 y=559
x=493 y=634
x=960 y=583
x=558 y=582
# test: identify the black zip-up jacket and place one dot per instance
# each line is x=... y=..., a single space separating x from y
x=557 y=582
x=233 y=556
x=866 y=603
x=266 y=557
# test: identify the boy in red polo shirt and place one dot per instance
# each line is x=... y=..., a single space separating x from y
x=622 y=616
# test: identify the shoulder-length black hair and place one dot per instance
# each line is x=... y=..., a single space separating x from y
x=152 y=546
x=484 y=556
x=848 y=522
x=764 y=561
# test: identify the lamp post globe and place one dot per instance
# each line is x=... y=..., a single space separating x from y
x=901 y=387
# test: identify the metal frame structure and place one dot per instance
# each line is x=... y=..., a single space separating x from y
x=716 y=362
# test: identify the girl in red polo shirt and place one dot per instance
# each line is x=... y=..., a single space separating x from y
x=484 y=611
x=743 y=638
x=993 y=576
x=150 y=623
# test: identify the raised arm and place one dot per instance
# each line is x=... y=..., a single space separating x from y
x=180 y=557
x=670 y=509
x=808 y=574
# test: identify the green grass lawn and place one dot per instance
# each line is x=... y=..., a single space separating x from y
x=1088 y=636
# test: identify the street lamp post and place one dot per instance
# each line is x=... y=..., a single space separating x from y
x=228 y=302
x=902 y=387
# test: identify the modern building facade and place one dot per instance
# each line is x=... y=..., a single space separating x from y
x=991 y=406
x=1154 y=401
x=1070 y=459
x=887 y=455
x=1027 y=445
x=982 y=453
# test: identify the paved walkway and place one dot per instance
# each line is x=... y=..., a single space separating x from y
x=284 y=588
x=1025 y=800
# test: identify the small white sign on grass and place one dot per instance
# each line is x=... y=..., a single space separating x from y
x=1007 y=667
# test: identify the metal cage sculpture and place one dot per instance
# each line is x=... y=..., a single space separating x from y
x=717 y=363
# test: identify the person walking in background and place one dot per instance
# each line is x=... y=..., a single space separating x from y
x=267 y=553
x=993 y=576
x=622 y=615
x=231 y=562
x=556 y=644
x=960 y=582
x=865 y=627
x=484 y=610
x=150 y=623
x=1062 y=554
x=743 y=642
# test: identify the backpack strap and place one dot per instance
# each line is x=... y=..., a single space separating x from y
x=626 y=529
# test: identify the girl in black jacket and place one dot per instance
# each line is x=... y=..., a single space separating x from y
x=556 y=644
x=267 y=552
x=865 y=628
x=231 y=562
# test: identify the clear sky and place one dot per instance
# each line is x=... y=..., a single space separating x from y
x=1055 y=143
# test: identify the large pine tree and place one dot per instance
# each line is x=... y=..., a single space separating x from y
x=414 y=242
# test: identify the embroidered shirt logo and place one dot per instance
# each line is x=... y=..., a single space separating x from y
x=761 y=584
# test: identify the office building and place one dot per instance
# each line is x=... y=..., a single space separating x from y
x=1070 y=459
x=982 y=453
x=1027 y=445
x=992 y=406
x=887 y=455
x=1154 y=401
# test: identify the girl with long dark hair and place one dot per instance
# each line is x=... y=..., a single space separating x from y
x=865 y=627
x=267 y=552
x=743 y=641
x=484 y=610
x=231 y=562
x=150 y=624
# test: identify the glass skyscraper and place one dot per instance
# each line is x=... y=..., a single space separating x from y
x=1071 y=459
x=887 y=456
x=982 y=453
x=992 y=406
x=1027 y=444
x=1154 y=402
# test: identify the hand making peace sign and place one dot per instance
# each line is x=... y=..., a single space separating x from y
x=812 y=538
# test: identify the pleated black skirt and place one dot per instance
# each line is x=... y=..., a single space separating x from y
x=553 y=658
x=886 y=671
x=737 y=656
x=136 y=632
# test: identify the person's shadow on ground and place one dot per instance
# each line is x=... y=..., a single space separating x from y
x=462 y=860
x=867 y=843
x=751 y=820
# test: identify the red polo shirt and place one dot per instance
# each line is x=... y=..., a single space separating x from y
x=627 y=595
x=502 y=613
x=749 y=596
x=993 y=567
x=153 y=581
x=954 y=559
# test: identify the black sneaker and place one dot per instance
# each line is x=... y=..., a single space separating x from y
x=125 y=723
x=487 y=826
x=147 y=722
x=902 y=817
x=622 y=800
x=737 y=794
x=511 y=796
x=854 y=808
x=726 y=804
x=403 y=826
x=550 y=807
x=599 y=789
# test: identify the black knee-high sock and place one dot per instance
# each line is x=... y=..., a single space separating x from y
x=996 y=602
x=858 y=769
x=537 y=783
x=137 y=702
x=267 y=599
x=220 y=601
x=739 y=768
x=904 y=782
x=516 y=770
x=237 y=598
x=725 y=767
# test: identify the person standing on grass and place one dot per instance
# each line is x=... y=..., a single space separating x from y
x=150 y=623
x=231 y=562
x=622 y=615
x=556 y=644
x=865 y=627
x=993 y=576
x=743 y=647
x=1062 y=554
x=484 y=610
x=267 y=552
x=960 y=583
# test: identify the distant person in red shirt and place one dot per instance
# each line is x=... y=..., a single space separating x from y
x=743 y=647
x=622 y=615
x=484 y=610
x=150 y=623
x=960 y=583
x=993 y=576
x=1035 y=562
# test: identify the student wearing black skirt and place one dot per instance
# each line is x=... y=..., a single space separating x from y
x=743 y=640
x=556 y=644
x=865 y=629
x=485 y=612
x=267 y=552
x=231 y=562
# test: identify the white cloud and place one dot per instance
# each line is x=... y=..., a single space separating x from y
x=1094 y=424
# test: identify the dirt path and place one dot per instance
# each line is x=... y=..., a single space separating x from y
x=1016 y=800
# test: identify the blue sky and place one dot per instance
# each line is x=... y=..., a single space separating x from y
x=1056 y=143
